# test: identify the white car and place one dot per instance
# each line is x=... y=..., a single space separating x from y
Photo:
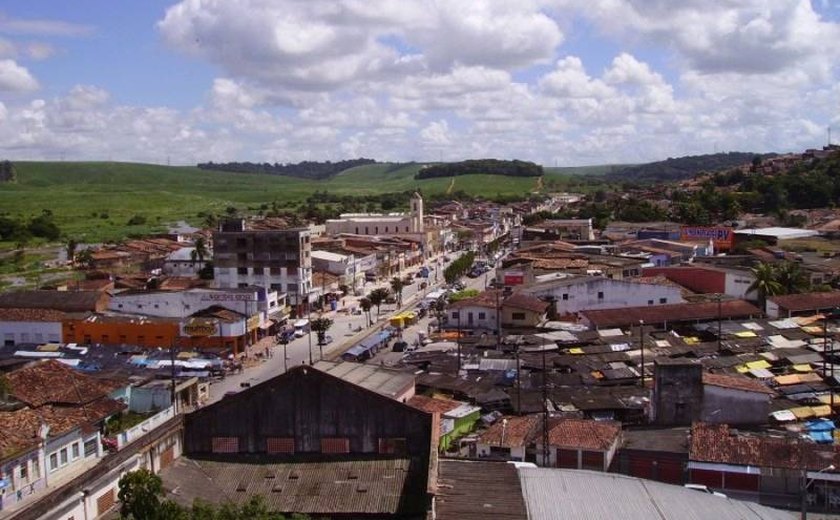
x=704 y=489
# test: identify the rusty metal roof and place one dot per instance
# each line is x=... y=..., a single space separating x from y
x=478 y=490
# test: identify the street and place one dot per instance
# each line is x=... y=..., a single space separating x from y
x=347 y=330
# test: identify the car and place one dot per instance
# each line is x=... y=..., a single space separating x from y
x=327 y=340
x=702 y=488
x=399 y=346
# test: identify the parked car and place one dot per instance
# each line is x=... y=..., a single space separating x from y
x=399 y=346
x=327 y=340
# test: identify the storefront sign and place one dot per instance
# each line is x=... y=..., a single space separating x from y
x=201 y=329
x=227 y=297
x=514 y=278
x=721 y=237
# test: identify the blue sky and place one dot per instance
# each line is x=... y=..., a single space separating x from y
x=554 y=81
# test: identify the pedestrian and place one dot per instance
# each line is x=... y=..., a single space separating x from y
x=350 y=327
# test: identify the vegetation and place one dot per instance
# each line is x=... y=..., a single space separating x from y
x=124 y=421
x=305 y=170
x=463 y=295
x=776 y=279
x=397 y=286
x=365 y=304
x=377 y=297
x=681 y=168
x=7 y=172
x=321 y=325
x=459 y=267
x=141 y=498
x=481 y=166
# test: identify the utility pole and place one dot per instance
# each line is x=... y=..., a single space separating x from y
x=544 y=409
x=719 y=297
x=458 y=372
x=499 y=321
x=172 y=374
x=642 y=346
x=309 y=328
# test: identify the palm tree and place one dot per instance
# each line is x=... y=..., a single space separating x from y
x=792 y=279
x=365 y=305
x=321 y=325
x=397 y=285
x=439 y=310
x=377 y=297
x=199 y=252
x=765 y=283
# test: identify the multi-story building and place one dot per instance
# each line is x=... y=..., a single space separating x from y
x=279 y=259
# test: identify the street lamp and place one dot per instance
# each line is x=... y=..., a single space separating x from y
x=806 y=483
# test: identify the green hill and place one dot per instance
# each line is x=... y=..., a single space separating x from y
x=93 y=201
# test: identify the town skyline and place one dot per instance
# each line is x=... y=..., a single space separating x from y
x=559 y=83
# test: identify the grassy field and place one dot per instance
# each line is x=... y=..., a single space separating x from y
x=94 y=201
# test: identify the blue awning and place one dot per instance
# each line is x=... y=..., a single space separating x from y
x=821 y=437
x=820 y=425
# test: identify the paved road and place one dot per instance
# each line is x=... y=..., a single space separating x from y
x=347 y=330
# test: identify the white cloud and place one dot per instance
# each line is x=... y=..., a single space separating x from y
x=43 y=27
x=15 y=78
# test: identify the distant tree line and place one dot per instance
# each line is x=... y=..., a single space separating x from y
x=305 y=170
x=681 y=168
x=481 y=166
x=7 y=172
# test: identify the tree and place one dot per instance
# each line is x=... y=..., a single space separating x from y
x=139 y=495
x=377 y=297
x=85 y=258
x=765 y=283
x=397 y=285
x=439 y=310
x=321 y=325
x=365 y=305
x=792 y=278
x=70 y=247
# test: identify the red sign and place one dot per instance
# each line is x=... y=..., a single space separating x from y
x=722 y=237
x=514 y=278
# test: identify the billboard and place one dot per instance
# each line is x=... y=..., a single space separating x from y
x=514 y=278
x=722 y=237
x=198 y=328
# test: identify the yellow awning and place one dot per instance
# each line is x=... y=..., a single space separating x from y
x=761 y=363
x=597 y=374
x=576 y=350
x=746 y=334
x=802 y=412
x=826 y=399
x=822 y=410
x=742 y=369
x=804 y=367
x=790 y=379
x=691 y=340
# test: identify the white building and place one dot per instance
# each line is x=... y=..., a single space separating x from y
x=380 y=223
x=271 y=305
x=30 y=326
x=594 y=292
x=181 y=263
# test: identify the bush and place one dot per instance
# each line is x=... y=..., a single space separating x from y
x=136 y=220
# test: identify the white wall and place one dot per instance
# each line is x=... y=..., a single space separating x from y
x=167 y=304
x=386 y=225
x=30 y=332
x=575 y=297
x=488 y=322
x=736 y=285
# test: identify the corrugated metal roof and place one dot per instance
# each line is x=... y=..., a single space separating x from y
x=389 y=383
x=558 y=494
x=478 y=490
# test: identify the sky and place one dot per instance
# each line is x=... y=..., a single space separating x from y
x=558 y=82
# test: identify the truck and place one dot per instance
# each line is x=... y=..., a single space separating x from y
x=301 y=328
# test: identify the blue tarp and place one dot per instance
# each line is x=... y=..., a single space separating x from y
x=821 y=437
x=820 y=425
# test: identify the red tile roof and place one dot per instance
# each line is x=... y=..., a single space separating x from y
x=433 y=405
x=736 y=383
x=719 y=444
x=655 y=314
x=526 y=302
x=43 y=315
x=511 y=432
x=51 y=382
x=808 y=301
x=584 y=434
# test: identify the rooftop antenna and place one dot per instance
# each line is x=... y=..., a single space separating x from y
x=829 y=136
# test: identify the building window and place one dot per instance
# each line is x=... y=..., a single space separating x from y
x=482 y=315
x=565 y=296
x=24 y=471
x=74 y=450
x=357 y=230
x=376 y=230
x=386 y=229
x=600 y=295
x=62 y=455
x=241 y=270
x=280 y=445
x=456 y=315
x=650 y=302
x=259 y=270
x=519 y=316
x=53 y=461
x=90 y=447
x=36 y=469
x=105 y=502
x=663 y=300
x=334 y=445
x=225 y=444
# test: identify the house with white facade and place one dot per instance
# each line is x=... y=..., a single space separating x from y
x=380 y=223
x=574 y=294
x=19 y=326
x=181 y=263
